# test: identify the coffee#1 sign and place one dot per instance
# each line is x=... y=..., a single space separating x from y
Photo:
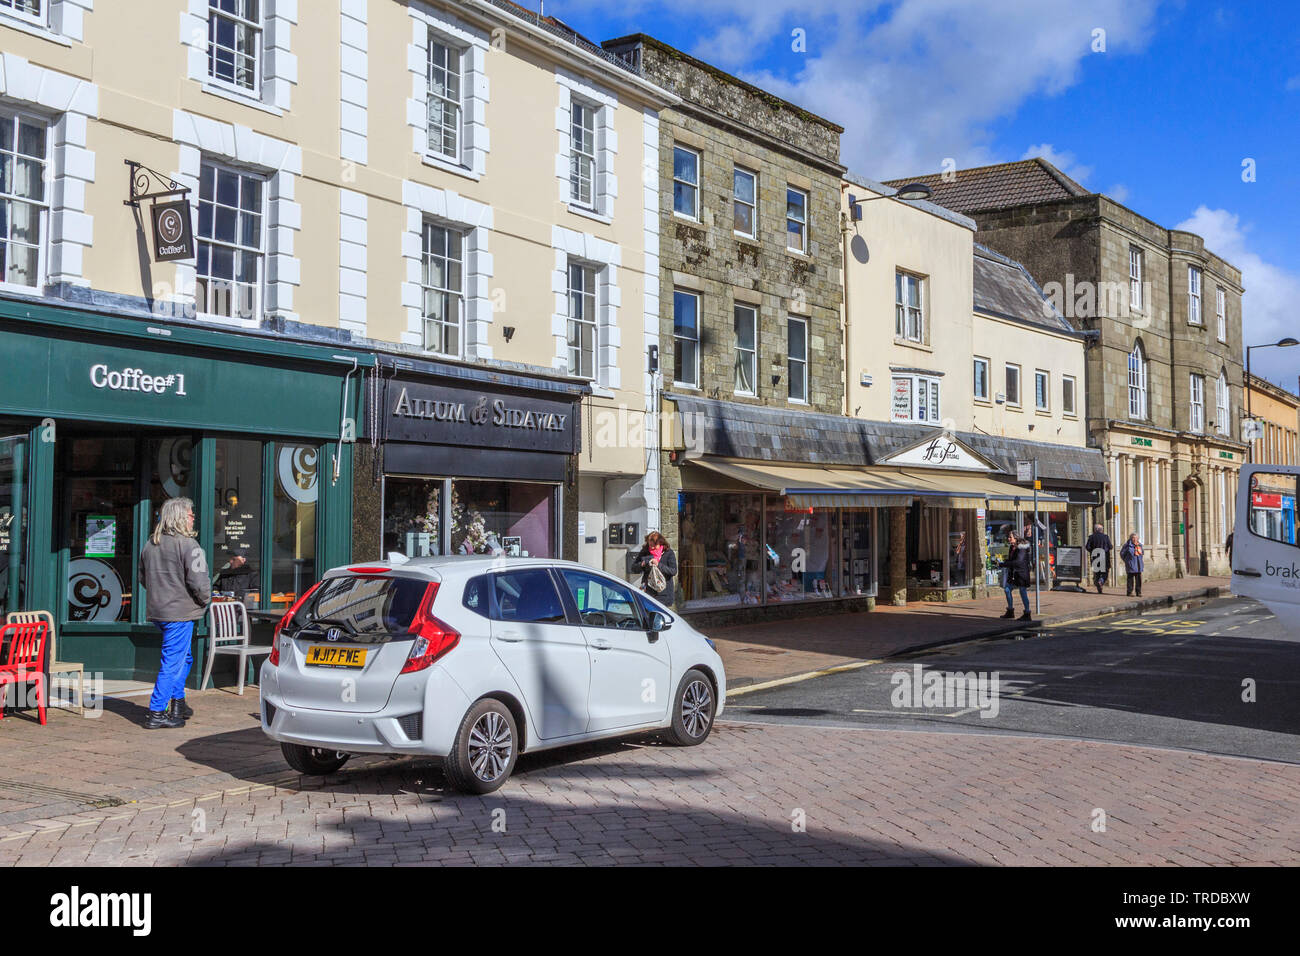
x=419 y=412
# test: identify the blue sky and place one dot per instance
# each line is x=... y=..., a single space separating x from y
x=1161 y=119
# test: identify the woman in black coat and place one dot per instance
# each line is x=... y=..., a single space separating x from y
x=656 y=551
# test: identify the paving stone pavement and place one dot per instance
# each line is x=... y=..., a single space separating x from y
x=217 y=793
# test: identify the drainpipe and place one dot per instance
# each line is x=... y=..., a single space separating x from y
x=844 y=306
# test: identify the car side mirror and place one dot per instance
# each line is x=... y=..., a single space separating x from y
x=660 y=622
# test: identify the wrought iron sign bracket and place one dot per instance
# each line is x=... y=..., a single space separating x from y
x=146 y=183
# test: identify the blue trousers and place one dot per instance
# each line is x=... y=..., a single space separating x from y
x=1024 y=597
x=176 y=660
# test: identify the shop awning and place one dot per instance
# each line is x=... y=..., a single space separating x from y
x=811 y=486
x=805 y=486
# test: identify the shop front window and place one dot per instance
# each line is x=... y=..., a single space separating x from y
x=719 y=559
x=930 y=527
x=100 y=492
x=503 y=517
x=13 y=520
x=802 y=553
x=237 y=525
x=412 y=516
x=293 y=537
x=857 y=553
x=998 y=526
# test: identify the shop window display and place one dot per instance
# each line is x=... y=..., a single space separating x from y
x=959 y=549
x=487 y=517
x=720 y=555
x=802 y=554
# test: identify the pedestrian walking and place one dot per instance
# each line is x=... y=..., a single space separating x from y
x=1228 y=544
x=1131 y=554
x=1016 y=574
x=1099 y=547
x=658 y=566
x=174 y=574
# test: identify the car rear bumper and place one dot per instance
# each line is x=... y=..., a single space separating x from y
x=421 y=717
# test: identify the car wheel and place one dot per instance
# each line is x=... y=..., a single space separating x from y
x=693 y=708
x=315 y=761
x=485 y=749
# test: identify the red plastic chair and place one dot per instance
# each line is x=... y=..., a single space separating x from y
x=23 y=663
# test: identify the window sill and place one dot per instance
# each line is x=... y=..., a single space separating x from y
x=982 y=401
x=228 y=321
x=1072 y=416
x=586 y=212
x=909 y=344
x=1043 y=412
x=1013 y=408
x=598 y=390
x=447 y=166
x=685 y=218
x=687 y=387
x=743 y=237
x=245 y=99
x=796 y=253
x=31 y=291
x=34 y=29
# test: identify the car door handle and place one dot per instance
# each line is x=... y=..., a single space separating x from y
x=510 y=637
x=1248 y=572
x=600 y=644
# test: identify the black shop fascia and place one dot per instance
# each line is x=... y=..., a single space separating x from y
x=473 y=461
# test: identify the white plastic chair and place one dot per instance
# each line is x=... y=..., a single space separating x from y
x=56 y=666
x=229 y=633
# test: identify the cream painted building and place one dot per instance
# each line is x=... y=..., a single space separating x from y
x=461 y=194
x=960 y=368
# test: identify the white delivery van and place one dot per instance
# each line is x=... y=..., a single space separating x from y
x=1265 y=547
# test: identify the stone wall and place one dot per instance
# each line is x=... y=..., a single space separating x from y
x=732 y=124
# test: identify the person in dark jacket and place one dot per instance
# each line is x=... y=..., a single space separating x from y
x=1131 y=554
x=1099 y=540
x=1017 y=568
x=174 y=574
x=654 y=552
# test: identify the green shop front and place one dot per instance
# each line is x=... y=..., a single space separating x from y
x=102 y=418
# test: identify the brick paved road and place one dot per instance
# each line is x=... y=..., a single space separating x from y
x=867 y=797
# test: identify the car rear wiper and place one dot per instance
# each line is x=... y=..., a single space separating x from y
x=347 y=626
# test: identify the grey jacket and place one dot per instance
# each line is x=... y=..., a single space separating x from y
x=175 y=577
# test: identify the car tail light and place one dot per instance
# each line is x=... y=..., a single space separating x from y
x=274 y=658
x=433 y=638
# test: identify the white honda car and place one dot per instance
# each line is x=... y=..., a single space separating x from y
x=477 y=660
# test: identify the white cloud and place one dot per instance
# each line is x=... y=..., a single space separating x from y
x=1119 y=192
x=1268 y=307
x=1063 y=160
x=913 y=82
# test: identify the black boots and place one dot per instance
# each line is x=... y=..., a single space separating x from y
x=159 y=719
x=1025 y=617
x=180 y=709
x=1009 y=615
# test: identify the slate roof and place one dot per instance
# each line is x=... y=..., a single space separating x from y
x=1003 y=287
x=1025 y=183
x=761 y=433
x=934 y=209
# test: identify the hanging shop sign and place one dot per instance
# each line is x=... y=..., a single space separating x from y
x=171 y=218
x=173 y=232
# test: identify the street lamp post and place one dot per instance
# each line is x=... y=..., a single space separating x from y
x=1284 y=343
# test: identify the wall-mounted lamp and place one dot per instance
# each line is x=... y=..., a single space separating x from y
x=508 y=331
x=654 y=358
x=911 y=192
x=776 y=380
x=1000 y=398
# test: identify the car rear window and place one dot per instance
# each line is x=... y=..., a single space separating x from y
x=365 y=604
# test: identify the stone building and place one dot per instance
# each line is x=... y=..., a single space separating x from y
x=749 y=278
x=1164 y=382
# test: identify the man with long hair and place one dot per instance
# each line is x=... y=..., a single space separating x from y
x=174 y=574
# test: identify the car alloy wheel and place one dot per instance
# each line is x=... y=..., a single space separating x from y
x=490 y=746
x=697 y=707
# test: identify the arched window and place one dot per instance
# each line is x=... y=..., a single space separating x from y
x=1137 y=382
x=1221 y=421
